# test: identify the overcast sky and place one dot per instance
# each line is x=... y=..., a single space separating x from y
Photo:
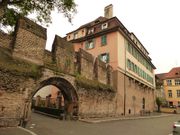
x=156 y=23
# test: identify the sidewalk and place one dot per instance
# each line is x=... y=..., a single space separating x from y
x=15 y=131
x=109 y=119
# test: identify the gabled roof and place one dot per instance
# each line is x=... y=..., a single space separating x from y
x=161 y=76
x=97 y=20
x=173 y=73
x=90 y=24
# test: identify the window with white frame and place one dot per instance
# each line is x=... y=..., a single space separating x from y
x=169 y=82
x=104 y=26
x=104 y=57
x=170 y=93
x=91 y=31
x=177 y=82
x=89 y=44
x=178 y=93
x=75 y=35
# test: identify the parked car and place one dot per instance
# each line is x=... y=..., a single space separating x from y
x=176 y=128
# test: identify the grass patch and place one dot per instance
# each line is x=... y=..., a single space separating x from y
x=18 y=67
x=92 y=84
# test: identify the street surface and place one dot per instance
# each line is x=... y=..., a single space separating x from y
x=43 y=125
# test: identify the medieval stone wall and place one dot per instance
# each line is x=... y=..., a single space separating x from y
x=63 y=53
x=21 y=75
x=93 y=68
x=5 y=40
x=94 y=103
x=85 y=63
x=30 y=41
x=13 y=93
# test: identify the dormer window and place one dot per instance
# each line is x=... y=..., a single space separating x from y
x=91 y=31
x=75 y=35
x=104 y=26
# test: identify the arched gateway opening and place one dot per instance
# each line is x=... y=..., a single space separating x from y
x=61 y=101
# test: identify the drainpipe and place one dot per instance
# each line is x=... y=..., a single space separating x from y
x=125 y=81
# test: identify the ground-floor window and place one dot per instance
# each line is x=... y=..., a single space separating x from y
x=143 y=103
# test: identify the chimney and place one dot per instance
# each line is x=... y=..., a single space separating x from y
x=108 y=11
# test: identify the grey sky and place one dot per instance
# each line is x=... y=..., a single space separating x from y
x=155 y=22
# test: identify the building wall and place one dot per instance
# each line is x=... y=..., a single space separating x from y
x=121 y=45
x=141 y=66
x=110 y=48
x=130 y=95
x=174 y=89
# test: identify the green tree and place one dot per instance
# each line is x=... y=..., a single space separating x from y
x=10 y=10
x=159 y=103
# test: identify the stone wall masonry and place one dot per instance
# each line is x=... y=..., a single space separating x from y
x=86 y=64
x=93 y=68
x=93 y=103
x=102 y=71
x=5 y=40
x=13 y=92
x=30 y=41
x=64 y=55
x=47 y=57
x=11 y=106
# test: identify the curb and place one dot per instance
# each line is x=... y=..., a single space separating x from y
x=120 y=119
x=32 y=133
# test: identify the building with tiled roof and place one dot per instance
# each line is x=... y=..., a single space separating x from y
x=109 y=40
x=171 y=86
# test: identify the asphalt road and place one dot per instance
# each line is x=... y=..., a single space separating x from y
x=43 y=125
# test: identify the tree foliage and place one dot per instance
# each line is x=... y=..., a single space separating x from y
x=10 y=10
x=159 y=103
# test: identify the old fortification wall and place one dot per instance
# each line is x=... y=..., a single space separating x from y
x=30 y=40
x=25 y=61
x=5 y=40
x=93 y=68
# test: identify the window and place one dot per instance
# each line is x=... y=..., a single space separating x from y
x=103 y=40
x=170 y=93
x=104 y=57
x=104 y=26
x=178 y=103
x=177 y=82
x=89 y=44
x=90 y=31
x=75 y=35
x=178 y=93
x=129 y=64
x=169 y=82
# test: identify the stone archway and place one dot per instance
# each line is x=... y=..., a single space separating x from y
x=68 y=91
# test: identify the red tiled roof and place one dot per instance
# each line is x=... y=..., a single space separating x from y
x=174 y=73
x=161 y=76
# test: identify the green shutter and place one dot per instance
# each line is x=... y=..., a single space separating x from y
x=86 y=45
x=103 y=40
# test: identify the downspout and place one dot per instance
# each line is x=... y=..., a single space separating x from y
x=125 y=80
